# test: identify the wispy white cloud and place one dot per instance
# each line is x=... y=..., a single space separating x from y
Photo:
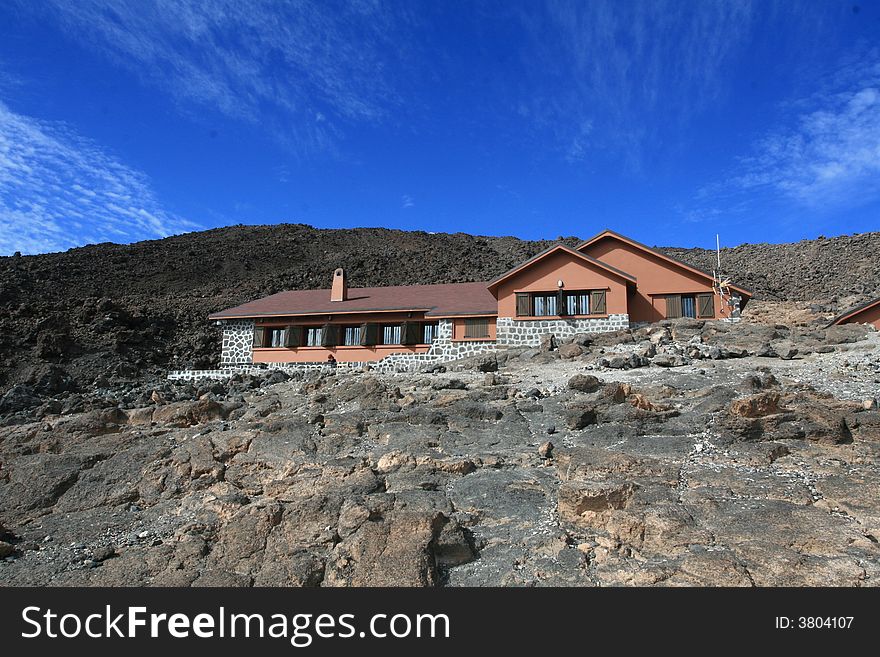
x=613 y=73
x=301 y=69
x=407 y=201
x=829 y=157
x=59 y=190
x=823 y=152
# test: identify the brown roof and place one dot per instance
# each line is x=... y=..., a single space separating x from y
x=436 y=300
x=852 y=312
x=668 y=258
x=562 y=247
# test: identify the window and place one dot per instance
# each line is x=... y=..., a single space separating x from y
x=351 y=335
x=276 y=337
x=429 y=332
x=577 y=303
x=560 y=303
x=690 y=305
x=476 y=328
x=391 y=334
x=313 y=336
x=543 y=305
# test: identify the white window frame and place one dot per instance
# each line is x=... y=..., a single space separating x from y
x=392 y=334
x=313 y=336
x=351 y=336
x=429 y=332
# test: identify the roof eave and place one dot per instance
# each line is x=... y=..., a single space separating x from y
x=852 y=312
x=429 y=312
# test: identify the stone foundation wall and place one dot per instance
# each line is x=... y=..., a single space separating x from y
x=444 y=348
x=236 y=356
x=393 y=363
x=238 y=343
x=512 y=331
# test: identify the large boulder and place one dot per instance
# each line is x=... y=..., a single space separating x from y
x=584 y=383
x=570 y=350
x=760 y=405
x=580 y=416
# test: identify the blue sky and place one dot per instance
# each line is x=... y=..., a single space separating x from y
x=668 y=121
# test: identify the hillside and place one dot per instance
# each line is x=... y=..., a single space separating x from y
x=126 y=310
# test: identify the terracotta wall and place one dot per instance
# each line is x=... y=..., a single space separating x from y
x=459 y=328
x=354 y=353
x=867 y=316
x=656 y=278
x=342 y=354
x=576 y=273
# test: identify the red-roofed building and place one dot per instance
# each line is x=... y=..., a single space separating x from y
x=867 y=313
x=607 y=283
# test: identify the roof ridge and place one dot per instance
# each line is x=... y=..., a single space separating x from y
x=650 y=249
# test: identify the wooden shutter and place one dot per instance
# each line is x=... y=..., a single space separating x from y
x=293 y=336
x=369 y=332
x=411 y=333
x=561 y=303
x=476 y=328
x=673 y=306
x=330 y=335
x=706 y=305
x=597 y=302
x=523 y=304
x=259 y=337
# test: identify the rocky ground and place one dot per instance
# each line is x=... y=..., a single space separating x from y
x=686 y=453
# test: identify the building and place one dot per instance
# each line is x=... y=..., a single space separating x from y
x=867 y=313
x=607 y=283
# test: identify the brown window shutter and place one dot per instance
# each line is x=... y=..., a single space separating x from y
x=706 y=305
x=597 y=302
x=523 y=304
x=293 y=336
x=561 y=303
x=673 y=306
x=369 y=332
x=411 y=333
x=476 y=328
x=330 y=335
x=259 y=336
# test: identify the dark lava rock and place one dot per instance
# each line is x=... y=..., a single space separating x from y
x=584 y=383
